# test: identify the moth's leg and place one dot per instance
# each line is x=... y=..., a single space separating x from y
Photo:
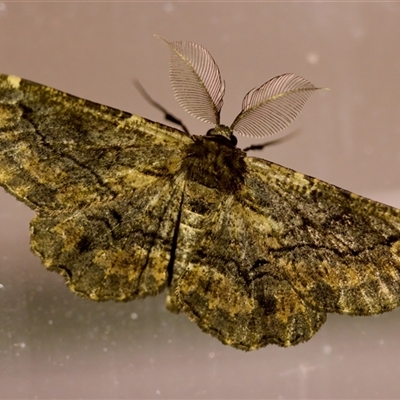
x=167 y=115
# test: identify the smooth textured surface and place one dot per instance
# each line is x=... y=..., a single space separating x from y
x=349 y=136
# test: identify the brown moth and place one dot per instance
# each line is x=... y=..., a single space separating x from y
x=253 y=252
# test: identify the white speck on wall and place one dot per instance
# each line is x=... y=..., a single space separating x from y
x=327 y=349
x=168 y=7
x=358 y=32
x=312 y=58
x=134 y=316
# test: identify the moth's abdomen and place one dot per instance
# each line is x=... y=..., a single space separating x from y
x=215 y=163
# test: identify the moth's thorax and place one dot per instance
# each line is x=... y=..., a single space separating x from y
x=215 y=162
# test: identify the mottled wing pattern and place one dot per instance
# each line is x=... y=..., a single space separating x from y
x=253 y=252
x=101 y=182
x=266 y=264
x=340 y=251
x=62 y=152
x=223 y=279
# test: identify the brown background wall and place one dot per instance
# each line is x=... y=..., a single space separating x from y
x=55 y=345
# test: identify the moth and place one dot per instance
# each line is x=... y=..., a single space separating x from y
x=253 y=252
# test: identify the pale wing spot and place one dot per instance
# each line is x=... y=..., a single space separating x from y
x=396 y=248
x=123 y=177
x=70 y=232
x=342 y=303
x=394 y=222
x=192 y=218
x=68 y=193
x=14 y=81
x=159 y=133
x=133 y=121
x=231 y=299
x=384 y=291
x=22 y=191
x=92 y=296
x=7 y=174
x=368 y=301
x=300 y=180
x=158 y=262
x=8 y=117
x=264 y=224
x=354 y=196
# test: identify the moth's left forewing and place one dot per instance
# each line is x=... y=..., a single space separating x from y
x=59 y=152
x=339 y=251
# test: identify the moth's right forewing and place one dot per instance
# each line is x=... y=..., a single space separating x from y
x=339 y=251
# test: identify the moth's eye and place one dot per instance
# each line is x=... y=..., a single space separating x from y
x=234 y=140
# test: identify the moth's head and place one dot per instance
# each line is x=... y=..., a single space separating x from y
x=225 y=131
